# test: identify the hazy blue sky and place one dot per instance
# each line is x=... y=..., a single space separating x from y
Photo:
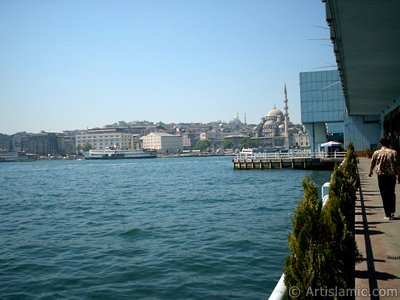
x=84 y=63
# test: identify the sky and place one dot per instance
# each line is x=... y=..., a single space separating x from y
x=81 y=64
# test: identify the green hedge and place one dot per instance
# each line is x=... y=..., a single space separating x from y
x=323 y=251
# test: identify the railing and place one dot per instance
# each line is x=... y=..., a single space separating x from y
x=294 y=154
x=280 y=289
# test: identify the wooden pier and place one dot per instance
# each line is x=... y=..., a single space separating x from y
x=309 y=162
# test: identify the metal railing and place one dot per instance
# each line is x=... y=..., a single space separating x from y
x=280 y=289
x=294 y=154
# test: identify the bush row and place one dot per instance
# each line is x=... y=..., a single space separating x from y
x=322 y=247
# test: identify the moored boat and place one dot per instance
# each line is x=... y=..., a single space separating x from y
x=119 y=154
x=17 y=157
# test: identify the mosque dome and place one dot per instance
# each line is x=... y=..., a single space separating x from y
x=274 y=113
x=269 y=124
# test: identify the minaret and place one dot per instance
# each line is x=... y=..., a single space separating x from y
x=286 y=116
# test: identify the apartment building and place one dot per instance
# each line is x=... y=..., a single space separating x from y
x=100 y=139
x=163 y=142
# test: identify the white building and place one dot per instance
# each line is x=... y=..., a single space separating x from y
x=163 y=142
x=300 y=140
x=102 y=138
x=209 y=135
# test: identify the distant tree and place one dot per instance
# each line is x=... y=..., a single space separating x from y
x=227 y=144
x=86 y=147
x=248 y=143
x=161 y=126
x=202 y=145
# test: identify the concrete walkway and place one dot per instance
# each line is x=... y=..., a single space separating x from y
x=378 y=275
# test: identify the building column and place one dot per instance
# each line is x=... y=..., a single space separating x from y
x=316 y=135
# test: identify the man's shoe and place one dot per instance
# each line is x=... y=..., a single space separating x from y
x=386 y=218
x=394 y=217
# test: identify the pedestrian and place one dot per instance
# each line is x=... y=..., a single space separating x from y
x=385 y=161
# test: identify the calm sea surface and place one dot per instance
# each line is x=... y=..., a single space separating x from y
x=173 y=228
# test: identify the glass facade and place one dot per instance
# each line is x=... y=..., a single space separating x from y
x=321 y=97
x=324 y=115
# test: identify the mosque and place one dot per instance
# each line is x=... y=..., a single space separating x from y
x=275 y=129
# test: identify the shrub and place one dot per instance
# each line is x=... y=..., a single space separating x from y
x=302 y=266
x=338 y=228
x=323 y=251
x=349 y=166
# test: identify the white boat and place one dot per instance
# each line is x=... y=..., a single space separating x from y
x=119 y=154
x=8 y=156
x=16 y=156
x=246 y=153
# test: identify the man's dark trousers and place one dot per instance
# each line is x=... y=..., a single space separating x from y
x=387 y=184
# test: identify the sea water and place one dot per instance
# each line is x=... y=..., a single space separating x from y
x=165 y=228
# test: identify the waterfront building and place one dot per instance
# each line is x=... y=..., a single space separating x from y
x=324 y=113
x=5 y=143
x=22 y=142
x=215 y=137
x=163 y=142
x=367 y=66
x=300 y=140
x=365 y=37
x=189 y=139
x=366 y=44
x=102 y=138
x=67 y=144
x=138 y=127
x=44 y=143
x=210 y=135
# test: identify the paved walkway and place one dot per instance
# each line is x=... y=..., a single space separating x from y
x=378 y=275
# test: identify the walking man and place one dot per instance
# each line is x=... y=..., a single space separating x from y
x=385 y=162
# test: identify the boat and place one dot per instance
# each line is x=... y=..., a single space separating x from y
x=17 y=157
x=8 y=156
x=108 y=153
x=246 y=153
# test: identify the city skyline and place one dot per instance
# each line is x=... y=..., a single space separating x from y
x=82 y=64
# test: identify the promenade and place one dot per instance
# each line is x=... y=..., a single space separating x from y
x=378 y=275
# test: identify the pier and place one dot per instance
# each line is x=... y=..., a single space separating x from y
x=291 y=160
x=378 y=241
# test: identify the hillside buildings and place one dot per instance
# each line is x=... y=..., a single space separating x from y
x=275 y=130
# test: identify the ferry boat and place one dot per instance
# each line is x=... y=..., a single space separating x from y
x=246 y=153
x=119 y=154
x=16 y=157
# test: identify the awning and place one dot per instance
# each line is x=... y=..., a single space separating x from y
x=330 y=144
